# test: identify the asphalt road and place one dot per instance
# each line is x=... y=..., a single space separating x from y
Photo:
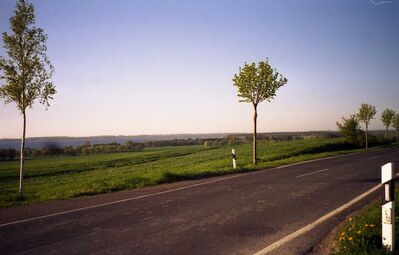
x=235 y=214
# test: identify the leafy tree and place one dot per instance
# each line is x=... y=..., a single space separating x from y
x=395 y=124
x=350 y=129
x=27 y=71
x=365 y=115
x=256 y=83
x=386 y=118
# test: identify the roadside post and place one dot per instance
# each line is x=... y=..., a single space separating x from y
x=388 y=209
x=233 y=155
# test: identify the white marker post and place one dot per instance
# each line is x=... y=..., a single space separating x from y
x=388 y=209
x=233 y=155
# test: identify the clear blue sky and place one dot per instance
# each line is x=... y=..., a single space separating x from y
x=159 y=67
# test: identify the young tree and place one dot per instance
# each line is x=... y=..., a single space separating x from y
x=26 y=72
x=256 y=83
x=350 y=129
x=395 y=124
x=365 y=115
x=386 y=118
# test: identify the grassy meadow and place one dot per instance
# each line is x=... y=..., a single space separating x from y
x=62 y=177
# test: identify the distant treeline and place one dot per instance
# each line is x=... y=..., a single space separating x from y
x=8 y=154
x=85 y=149
x=52 y=149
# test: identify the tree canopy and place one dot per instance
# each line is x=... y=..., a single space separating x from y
x=386 y=118
x=350 y=129
x=27 y=70
x=395 y=121
x=366 y=113
x=256 y=83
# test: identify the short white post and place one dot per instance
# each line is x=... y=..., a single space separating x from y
x=233 y=155
x=388 y=209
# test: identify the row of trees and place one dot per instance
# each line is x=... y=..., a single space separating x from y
x=8 y=154
x=351 y=130
x=53 y=149
x=85 y=149
x=27 y=74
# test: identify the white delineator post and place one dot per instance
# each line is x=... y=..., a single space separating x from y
x=233 y=155
x=388 y=209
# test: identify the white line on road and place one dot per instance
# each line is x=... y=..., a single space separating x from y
x=315 y=223
x=315 y=172
x=115 y=202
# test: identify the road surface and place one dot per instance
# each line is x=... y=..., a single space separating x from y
x=234 y=214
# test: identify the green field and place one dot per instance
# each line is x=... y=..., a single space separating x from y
x=65 y=177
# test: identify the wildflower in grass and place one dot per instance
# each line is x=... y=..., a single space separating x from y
x=349 y=229
x=343 y=233
x=366 y=225
x=359 y=232
x=372 y=225
x=350 y=219
x=350 y=238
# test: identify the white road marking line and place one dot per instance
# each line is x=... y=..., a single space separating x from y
x=172 y=190
x=315 y=172
x=115 y=202
x=314 y=224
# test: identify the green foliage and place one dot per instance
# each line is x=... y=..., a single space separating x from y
x=395 y=121
x=256 y=83
x=64 y=177
x=27 y=70
x=7 y=154
x=366 y=113
x=350 y=129
x=395 y=125
x=387 y=116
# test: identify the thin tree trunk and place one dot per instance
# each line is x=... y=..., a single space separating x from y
x=254 y=136
x=397 y=135
x=387 y=132
x=367 y=142
x=21 y=169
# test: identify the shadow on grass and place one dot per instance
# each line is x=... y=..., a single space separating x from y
x=103 y=187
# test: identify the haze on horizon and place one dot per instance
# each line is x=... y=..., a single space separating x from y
x=166 y=67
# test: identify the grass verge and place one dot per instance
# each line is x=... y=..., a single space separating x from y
x=361 y=234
